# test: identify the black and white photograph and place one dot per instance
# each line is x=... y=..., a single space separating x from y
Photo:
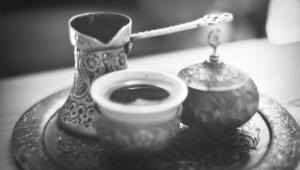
x=150 y=85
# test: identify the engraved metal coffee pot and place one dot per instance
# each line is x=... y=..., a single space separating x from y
x=101 y=44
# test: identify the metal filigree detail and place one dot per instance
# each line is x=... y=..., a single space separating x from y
x=78 y=113
x=80 y=85
x=27 y=142
x=73 y=152
x=25 y=131
x=83 y=154
x=198 y=150
x=284 y=150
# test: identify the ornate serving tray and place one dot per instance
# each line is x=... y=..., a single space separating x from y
x=270 y=140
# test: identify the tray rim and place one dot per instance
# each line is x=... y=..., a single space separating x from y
x=283 y=151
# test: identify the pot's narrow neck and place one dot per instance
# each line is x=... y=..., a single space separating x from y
x=78 y=113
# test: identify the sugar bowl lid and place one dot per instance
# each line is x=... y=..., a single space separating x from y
x=213 y=75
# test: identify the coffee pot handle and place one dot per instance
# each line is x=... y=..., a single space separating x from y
x=206 y=20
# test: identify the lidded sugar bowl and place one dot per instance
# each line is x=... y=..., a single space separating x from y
x=221 y=97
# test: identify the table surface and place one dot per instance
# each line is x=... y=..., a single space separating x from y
x=274 y=68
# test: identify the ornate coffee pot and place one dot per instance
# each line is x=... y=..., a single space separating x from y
x=101 y=44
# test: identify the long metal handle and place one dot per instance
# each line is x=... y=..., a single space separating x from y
x=205 y=21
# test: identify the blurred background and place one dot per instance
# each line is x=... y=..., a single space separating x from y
x=34 y=33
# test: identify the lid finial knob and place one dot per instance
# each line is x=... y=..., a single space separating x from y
x=214 y=42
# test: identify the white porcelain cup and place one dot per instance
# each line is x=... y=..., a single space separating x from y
x=137 y=128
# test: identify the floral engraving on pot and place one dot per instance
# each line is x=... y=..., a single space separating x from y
x=93 y=64
x=80 y=86
x=117 y=63
x=78 y=114
x=89 y=65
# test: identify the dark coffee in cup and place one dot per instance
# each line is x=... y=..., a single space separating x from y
x=139 y=94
